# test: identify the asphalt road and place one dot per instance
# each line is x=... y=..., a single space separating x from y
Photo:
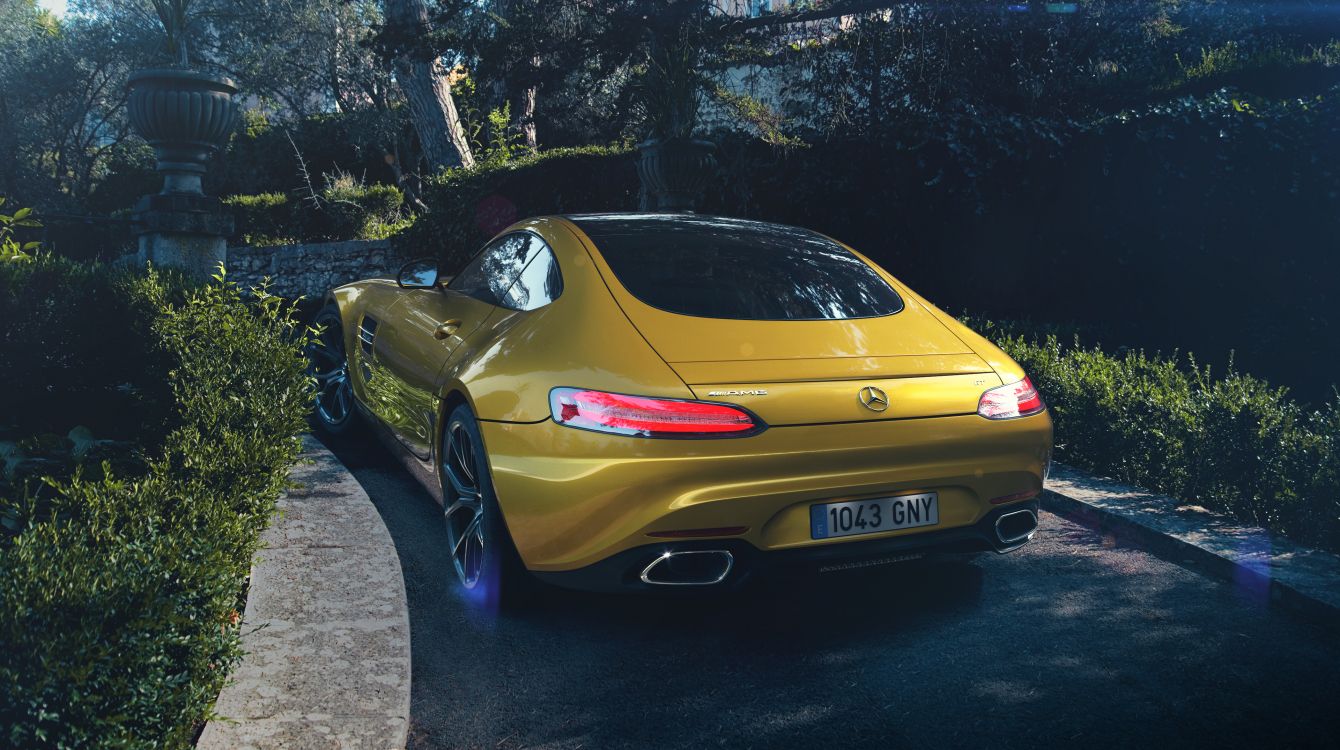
x=1071 y=641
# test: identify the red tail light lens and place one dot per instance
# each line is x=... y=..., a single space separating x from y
x=648 y=417
x=1009 y=401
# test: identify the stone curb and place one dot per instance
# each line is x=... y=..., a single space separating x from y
x=326 y=628
x=1297 y=579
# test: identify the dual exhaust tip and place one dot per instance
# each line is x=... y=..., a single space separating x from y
x=689 y=568
x=1015 y=528
x=712 y=566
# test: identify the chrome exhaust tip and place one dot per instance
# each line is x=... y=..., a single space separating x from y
x=689 y=568
x=1015 y=528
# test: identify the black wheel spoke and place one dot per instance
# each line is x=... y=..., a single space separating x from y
x=465 y=505
x=459 y=485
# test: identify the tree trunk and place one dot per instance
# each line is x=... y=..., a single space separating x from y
x=528 y=99
x=428 y=92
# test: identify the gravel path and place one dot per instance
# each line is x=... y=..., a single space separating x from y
x=1070 y=641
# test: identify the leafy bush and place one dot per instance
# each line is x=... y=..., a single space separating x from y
x=344 y=210
x=77 y=348
x=10 y=248
x=353 y=211
x=468 y=206
x=119 y=597
x=262 y=219
x=1231 y=443
x=268 y=157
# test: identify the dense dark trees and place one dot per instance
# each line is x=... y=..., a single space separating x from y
x=432 y=84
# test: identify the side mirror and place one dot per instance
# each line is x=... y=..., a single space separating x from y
x=418 y=274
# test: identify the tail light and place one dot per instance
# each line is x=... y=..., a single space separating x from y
x=642 y=416
x=1009 y=401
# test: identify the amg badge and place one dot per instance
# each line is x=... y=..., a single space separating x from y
x=755 y=392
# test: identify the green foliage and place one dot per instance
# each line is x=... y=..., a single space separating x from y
x=505 y=141
x=672 y=84
x=74 y=335
x=1231 y=59
x=1231 y=443
x=120 y=594
x=11 y=249
x=468 y=206
x=344 y=210
x=175 y=16
x=263 y=219
x=351 y=210
x=269 y=154
x=493 y=137
x=1215 y=181
x=749 y=110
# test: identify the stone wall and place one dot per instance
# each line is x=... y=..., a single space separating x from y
x=311 y=270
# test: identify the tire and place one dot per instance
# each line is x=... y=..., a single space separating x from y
x=333 y=409
x=487 y=568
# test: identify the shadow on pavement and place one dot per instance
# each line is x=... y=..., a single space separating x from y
x=1069 y=641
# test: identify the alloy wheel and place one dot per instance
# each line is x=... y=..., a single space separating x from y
x=330 y=367
x=465 y=507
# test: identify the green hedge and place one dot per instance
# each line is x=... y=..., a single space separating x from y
x=120 y=593
x=1230 y=443
x=263 y=219
x=1216 y=181
x=341 y=212
x=468 y=206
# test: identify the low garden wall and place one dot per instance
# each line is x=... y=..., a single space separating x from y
x=311 y=269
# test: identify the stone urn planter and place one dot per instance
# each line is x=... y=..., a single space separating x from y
x=186 y=116
x=674 y=172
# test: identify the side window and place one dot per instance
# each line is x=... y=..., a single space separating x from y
x=539 y=283
x=492 y=272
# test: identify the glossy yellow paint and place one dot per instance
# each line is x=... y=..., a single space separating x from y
x=573 y=497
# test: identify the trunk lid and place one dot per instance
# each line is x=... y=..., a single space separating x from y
x=793 y=372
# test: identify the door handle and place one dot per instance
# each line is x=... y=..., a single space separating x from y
x=447 y=328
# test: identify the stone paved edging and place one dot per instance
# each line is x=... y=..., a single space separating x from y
x=1295 y=578
x=326 y=628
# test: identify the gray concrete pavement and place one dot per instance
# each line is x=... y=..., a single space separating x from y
x=1297 y=578
x=325 y=628
x=1072 y=641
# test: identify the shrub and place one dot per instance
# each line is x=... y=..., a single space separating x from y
x=354 y=211
x=10 y=248
x=263 y=219
x=1231 y=443
x=468 y=206
x=345 y=210
x=119 y=597
x=76 y=337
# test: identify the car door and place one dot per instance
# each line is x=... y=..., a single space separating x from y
x=427 y=326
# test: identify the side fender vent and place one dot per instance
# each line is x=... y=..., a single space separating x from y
x=367 y=333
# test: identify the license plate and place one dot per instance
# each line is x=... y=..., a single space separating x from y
x=829 y=520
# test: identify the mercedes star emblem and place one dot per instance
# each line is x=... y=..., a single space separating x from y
x=873 y=398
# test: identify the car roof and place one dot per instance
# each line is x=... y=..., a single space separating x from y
x=610 y=224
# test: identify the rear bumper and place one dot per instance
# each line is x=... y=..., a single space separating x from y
x=573 y=498
x=623 y=572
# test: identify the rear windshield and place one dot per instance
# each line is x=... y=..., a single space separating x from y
x=725 y=268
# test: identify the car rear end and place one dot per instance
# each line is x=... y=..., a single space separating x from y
x=832 y=419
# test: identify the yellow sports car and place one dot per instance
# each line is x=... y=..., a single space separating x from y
x=635 y=401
